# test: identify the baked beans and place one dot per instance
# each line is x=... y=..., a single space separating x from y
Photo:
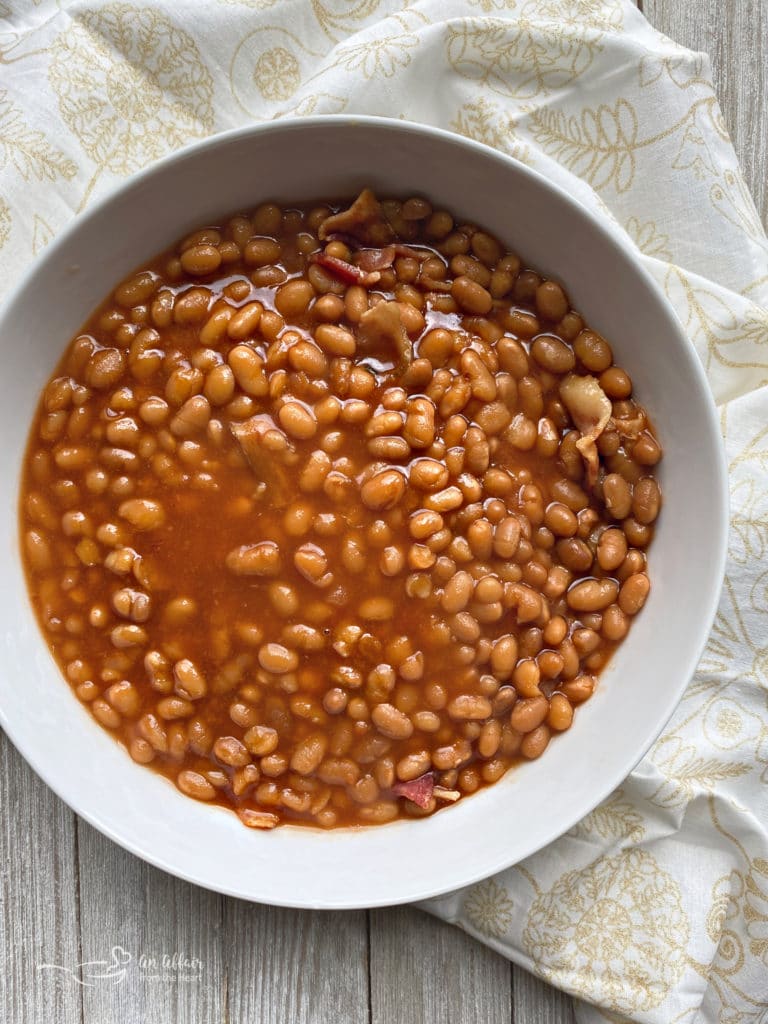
x=331 y=514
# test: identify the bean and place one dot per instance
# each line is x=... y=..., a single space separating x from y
x=244 y=322
x=413 y=765
x=457 y=593
x=646 y=450
x=616 y=383
x=552 y=354
x=615 y=624
x=551 y=301
x=201 y=259
x=309 y=753
x=261 y=559
x=383 y=490
x=617 y=496
x=535 y=742
x=293 y=298
x=311 y=561
x=471 y=296
x=427 y=475
x=579 y=689
x=634 y=592
x=419 y=427
x=506 y=537
x=528 y=714
x=611 y=549
x=592 y=595
x=391 y=722
x=335 y=340
x=189 y=681
x=593 y=351
x=229 y=750
x=127 y=635
x=297 y=421
x=195 y=785
x=261 y=740
x=646 y=500
x=470 y=707
x=248 y=369
x=447 y=500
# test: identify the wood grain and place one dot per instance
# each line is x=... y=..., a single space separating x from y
x=39 y=907
x=735 y=35
x=423 y=970
x=308 y=967
x=68 y=895
x=128 y=905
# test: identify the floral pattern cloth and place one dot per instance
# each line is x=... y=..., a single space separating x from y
x=655 y=907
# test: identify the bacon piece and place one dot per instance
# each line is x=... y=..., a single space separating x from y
x=382 y=325
x=346 y=272
x=266 y=449
x=364 y=220
x=630 y=426
x=418 y=791
x=376 y=259
x=590 y=409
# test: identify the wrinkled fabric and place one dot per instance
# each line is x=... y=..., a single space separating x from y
x=655 y=907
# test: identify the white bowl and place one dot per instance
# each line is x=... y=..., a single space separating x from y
x=407 y=860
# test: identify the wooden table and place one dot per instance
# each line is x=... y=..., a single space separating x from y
x=68 y=895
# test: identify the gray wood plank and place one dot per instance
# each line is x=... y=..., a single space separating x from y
x=535 y=1001
x=170 y=930
x=425 y=972
x=38 y=899
x=307 y=967
x=735 y=35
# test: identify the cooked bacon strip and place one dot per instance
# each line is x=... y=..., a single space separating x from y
x=266 y=448
x=419 y=791
x=590 y=410
x=628 y=426
x=401 y=249
x=382 y=324
x=364 y=220
x=346 y=272
x=376 y=259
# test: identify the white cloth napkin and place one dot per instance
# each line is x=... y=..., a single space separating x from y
x=655 y=907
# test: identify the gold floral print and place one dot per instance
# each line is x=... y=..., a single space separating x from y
x=548 y=45
x=687 y=772
x=727 y=337
x=648 y=239
x=42 y=233
x=27 y=150
x=316 y=103
x=615 y=929
x=337 y=23
x=686 y=70
x=489 y=908
x=277 y=74
x=599 y=146
x=615 y=818
x=386 y=50
x=131 y=86
x=488 y=122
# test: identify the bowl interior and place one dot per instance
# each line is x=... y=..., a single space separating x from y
x=310 y=159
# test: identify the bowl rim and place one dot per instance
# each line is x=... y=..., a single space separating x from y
x=612 y=235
